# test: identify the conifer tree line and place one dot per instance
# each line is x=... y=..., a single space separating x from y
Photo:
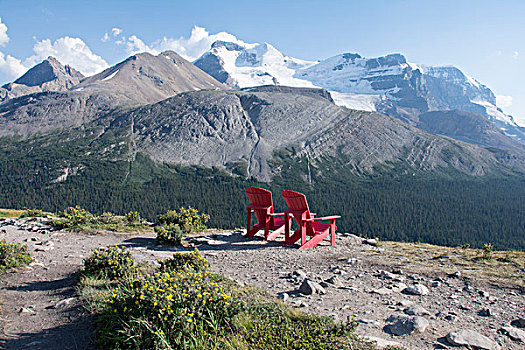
x=445 y=211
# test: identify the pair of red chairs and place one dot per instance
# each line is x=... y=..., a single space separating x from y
x=261 y=204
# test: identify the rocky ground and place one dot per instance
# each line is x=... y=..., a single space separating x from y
x=418 y=296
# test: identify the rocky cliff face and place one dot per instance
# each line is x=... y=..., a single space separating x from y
x=50 y=75
x=225 y=129
x=245 y=130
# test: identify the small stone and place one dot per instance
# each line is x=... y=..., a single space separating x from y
x=451 y=318
x=483 y=293
x=27 y=310
x=299 y=274
x=514 y=333
x=368 y=321
x=398 y=287
x=416 y=289
x=456 y=274
x=382 y=291
x=63 y=303
x=435 y=284
x=381 y=343
x=33 y=264
x=310 y=287
x=372 y=242
x=387 y=275
x=353 y=261
x=416 y=310
x=335 y=281
x=283 y=296
x=408 y=325
x=485 y=312
x=471 y=338
x=521 y=321
x=405 y=303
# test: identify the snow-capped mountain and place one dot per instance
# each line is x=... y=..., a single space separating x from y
x=388 y=84
x=246 y=65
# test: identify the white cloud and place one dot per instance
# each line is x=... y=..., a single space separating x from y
x=516 y=54
x=105 y=38
x=71 y=51
x=4 y=38
x=11 y=67
x=136 y=45
x=503 y=101
x=190 y=48
x=116 y=31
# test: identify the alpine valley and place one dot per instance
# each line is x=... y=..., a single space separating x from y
x=401 y=151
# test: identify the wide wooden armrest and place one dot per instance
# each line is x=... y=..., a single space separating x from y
x=276 y=214
x=327 y=217
x=257 y=207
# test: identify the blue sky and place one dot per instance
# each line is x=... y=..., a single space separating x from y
x=483 y=38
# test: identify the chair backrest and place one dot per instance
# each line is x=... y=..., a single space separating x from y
x=261 y=198
x=297 y=204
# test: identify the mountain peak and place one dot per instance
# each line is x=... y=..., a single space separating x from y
x=227 y=45
x=146 y=78
x=48 y=70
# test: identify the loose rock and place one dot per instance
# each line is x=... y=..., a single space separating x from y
x=471 y=338
x=310 y=287
x=407 y=325
x=514 y=333
x=416 y=289
x=416 y=310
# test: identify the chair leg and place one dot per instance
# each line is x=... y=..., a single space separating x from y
x=275 y=233
x=312 y=242
x=248 y=222
x=333 y=228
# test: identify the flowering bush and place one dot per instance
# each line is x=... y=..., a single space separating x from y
x=183 y=308
x=76 y=218
x=169 y=234
x=188 y=219
x=133 y=217
x=185 y=261
x=111 y=263
x=13 y=255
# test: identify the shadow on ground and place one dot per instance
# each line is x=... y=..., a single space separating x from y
x=77 y=335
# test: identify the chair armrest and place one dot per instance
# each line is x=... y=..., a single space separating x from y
x=332 y=217
x=257 y=207
x=276 y=214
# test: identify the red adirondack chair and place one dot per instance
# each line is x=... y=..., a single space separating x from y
x=261 y=204
x=308 y=224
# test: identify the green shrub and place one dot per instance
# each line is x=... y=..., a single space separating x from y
x=487 y=251
x=184 y=261
x=183 y=310
x=271 y=328
x=133 y=217
x=169 y=234
x=111 y=263
x=109 y=219
x=13 y=255
x=76 y=218
x=188 y=219
x=32 y=213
